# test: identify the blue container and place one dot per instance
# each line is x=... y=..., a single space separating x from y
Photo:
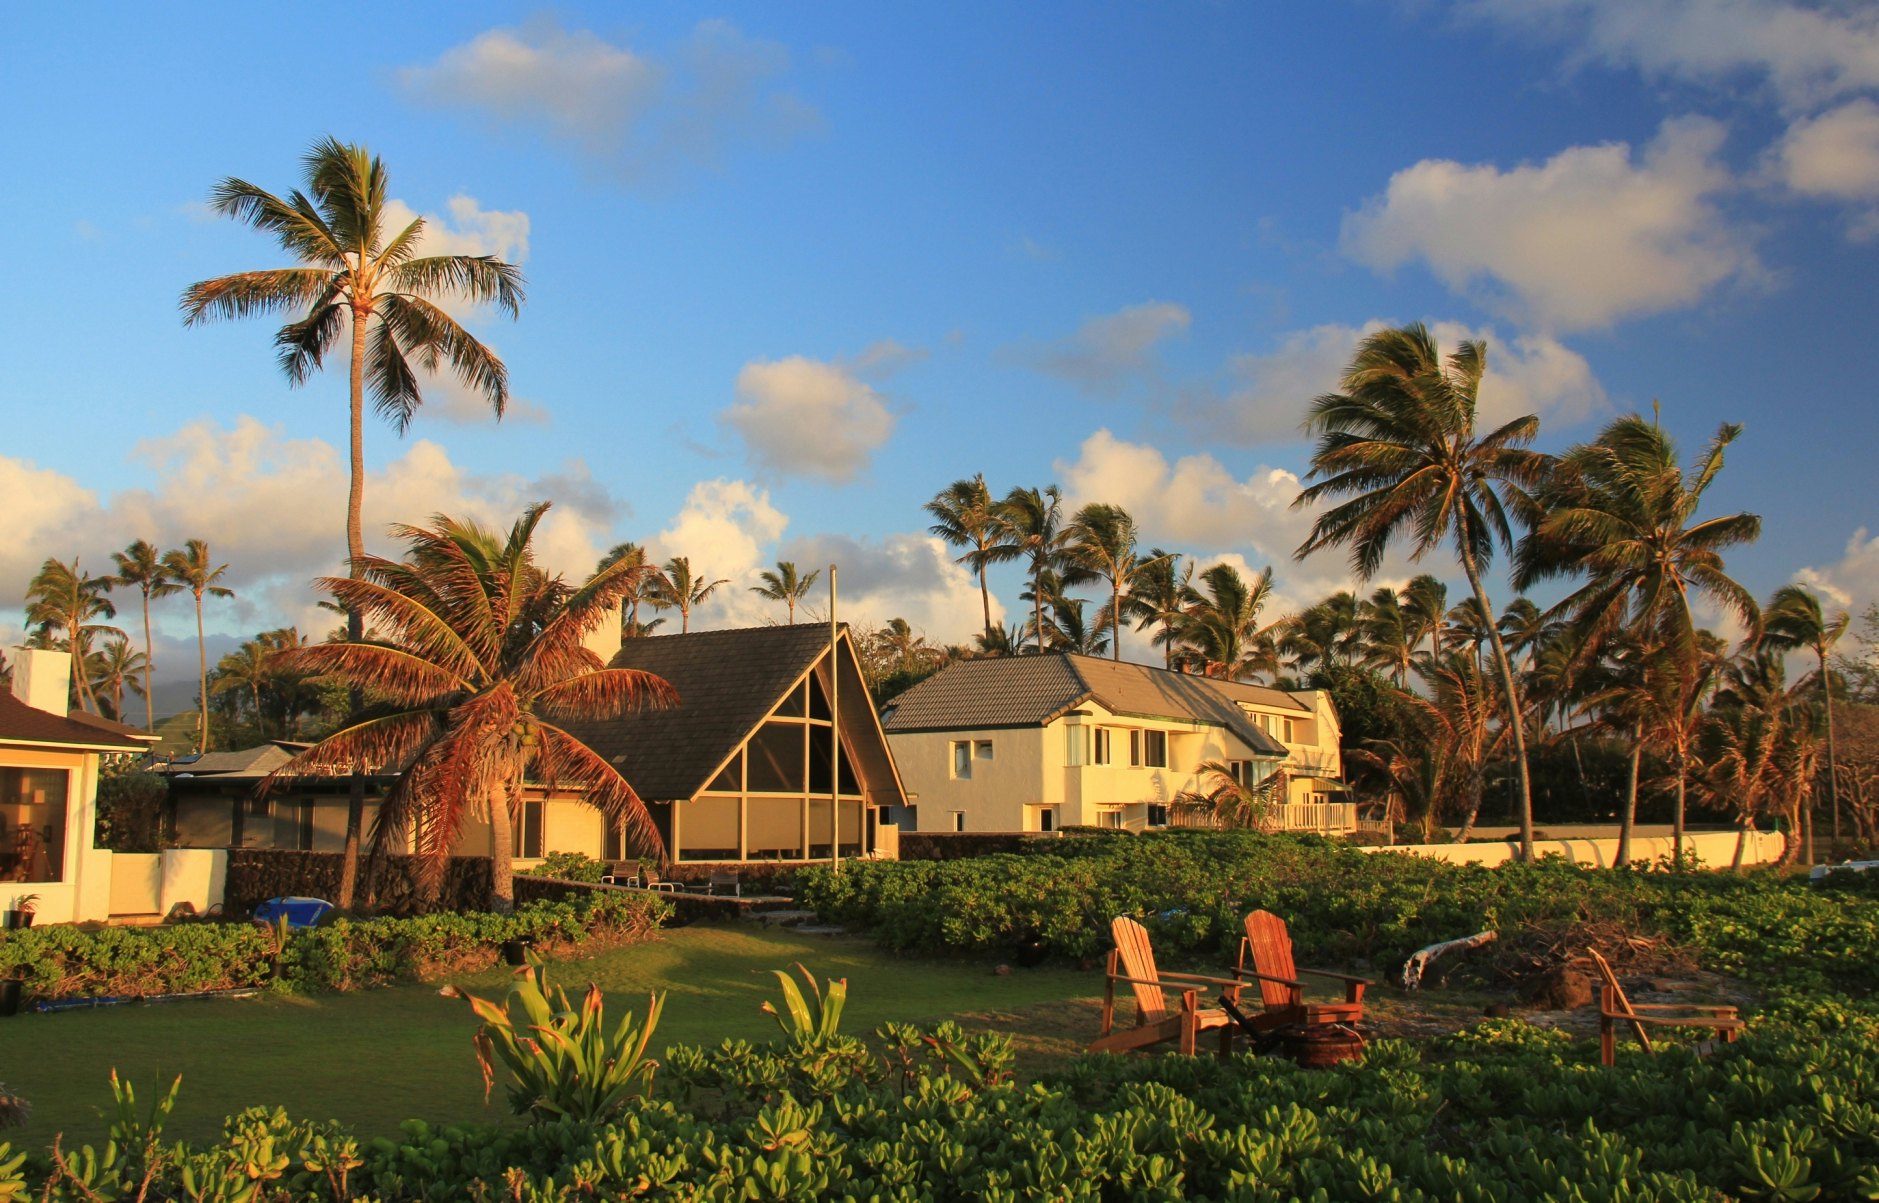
x=299 y=912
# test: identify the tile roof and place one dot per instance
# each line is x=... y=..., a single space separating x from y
x=113 y=727
x=1023 y=691
x=23 y=724
x=257 y=761
x=727 y=681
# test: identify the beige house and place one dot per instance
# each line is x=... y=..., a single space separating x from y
x=49 y=762
x=1037 y=743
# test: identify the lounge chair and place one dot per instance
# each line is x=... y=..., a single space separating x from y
x=1132 y=962
x=1614 y=1008
x=1266 y=957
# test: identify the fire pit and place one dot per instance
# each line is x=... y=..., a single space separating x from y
x=1322 y=1045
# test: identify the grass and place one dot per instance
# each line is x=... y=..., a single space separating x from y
x=376 y=1058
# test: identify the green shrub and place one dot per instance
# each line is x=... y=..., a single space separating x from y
x=571 y=866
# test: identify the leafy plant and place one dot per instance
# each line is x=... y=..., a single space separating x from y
x=562 y=1060
x=571 y=866
x=813 y=1018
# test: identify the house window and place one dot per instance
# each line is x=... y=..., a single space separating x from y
x=962 y=760
x=1102 y=746
x=1135 y=749
x=1290 y=732
x=1148 y=749
x=1047 y=818
x=985 y=749
x=32 y=824
x=1157 y=815
x=1109 y=818
x=1076 y=746
x=959 y=820
x=528 y=831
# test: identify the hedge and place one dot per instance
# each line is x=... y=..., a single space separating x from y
x=388 y=885
x=63 y=961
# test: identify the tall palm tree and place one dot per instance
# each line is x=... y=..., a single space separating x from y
x=1388 y=633
x=482 y=666
x=1221 y=635
x=1398 y=443
x=1031 y=521
x=1160 y=592
x=1102 y=544
x=677 y=587
x=357 y=276
x=62 y=601
x=1066 y=630
x=965 y=515
x=248 y=668
x=1425 y=600
x=785 y=585
x=189 y=567
x=141 y=564
x=639 y=587
x=1793 y=619
x=1326 y=635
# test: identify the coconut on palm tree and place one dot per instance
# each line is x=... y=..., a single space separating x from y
x=966 y=516
x=481 y=666
x=356 y=276
x=785 y=585
x=141 y=564
x=62 y=601
x=189 y=567
x=678 y=587
x=1398 y=450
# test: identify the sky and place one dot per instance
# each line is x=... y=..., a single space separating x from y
x=792 y=269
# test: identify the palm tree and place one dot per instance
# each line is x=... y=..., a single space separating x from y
x=1227 y=801
x=141 y=565
x=1102 y=544
x=966 y=516
x=675 y=586
x=1221 y=635
x=1425 y=600
x=1793 y=619
x=1160 y=591
x=482 y=666
x=1322 y=636
x=62 y=600
x=189 y=568
x=114 y=669
x=1031 y=521
x=1526 y=628
x=785 y=586
x=1066 y=630
x=245 y=668
x=1399 y=444
x=1388 y=632
x=1457 y=717
x=358 y=277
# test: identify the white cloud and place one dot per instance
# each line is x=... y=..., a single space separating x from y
x=884 y=358
x=638 y=114
x=1109 y=350
x=903 y=575
x=1269 y=394
x=469 y=229
x=1835 y=156
x=1807 y=53
x=1592 y=235
x=273 y=509
x=725 y=529
x=803 y=417
x=1851 y=583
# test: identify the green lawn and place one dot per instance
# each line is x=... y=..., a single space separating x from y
x=375 y=1058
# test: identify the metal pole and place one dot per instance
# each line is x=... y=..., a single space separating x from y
x=835 y=732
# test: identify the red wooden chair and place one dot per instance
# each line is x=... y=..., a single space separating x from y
x=1132 y=963
x=1614 y=1008
x=1266 y=957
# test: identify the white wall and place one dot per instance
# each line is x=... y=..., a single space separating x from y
x=1713 y=849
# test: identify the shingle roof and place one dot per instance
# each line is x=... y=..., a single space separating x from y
x=257 y=761
x=1024 y=691
x=113 y=727
x=727 y=681
x=23 y=724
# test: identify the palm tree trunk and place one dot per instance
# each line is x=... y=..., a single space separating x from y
x=1115 y=619
x=1833 y=781
x=1037 y=608
x=202 y=658
x=1676 y=829
x=985 y=596
x=1628 y=820
x=1741 y=845
x=355 y=619
x=1515 y=726
x=502 y=849
x=1475 y=784
x=150 y=714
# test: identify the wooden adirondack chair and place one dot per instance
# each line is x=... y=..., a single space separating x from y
x=1614 y=1008
x=1132 y=962
x=1266 y=957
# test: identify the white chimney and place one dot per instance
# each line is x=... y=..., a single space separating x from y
x=604 y=640
x=42 y=679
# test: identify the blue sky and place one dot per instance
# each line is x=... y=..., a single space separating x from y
x=793 y=268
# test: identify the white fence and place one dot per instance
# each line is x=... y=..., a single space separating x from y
x=1712 y=849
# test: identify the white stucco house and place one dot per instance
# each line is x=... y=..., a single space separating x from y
x=49 y=761
x=1037 y=743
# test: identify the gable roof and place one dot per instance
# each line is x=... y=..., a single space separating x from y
x=1027 y=691
x=113 y=727
x=29 y=725
x=257 y=762
x=728 y=682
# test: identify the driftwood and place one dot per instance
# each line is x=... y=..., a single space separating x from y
x=1418 y=962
